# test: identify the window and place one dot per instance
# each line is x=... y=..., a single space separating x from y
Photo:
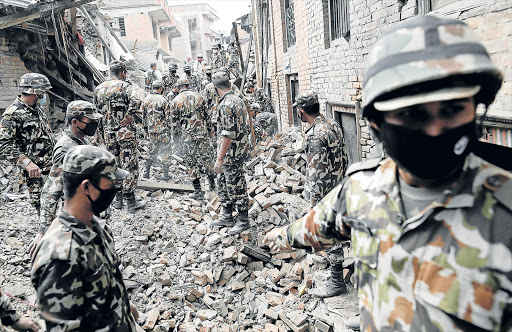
x=424 y=7
x=155 y=30
x=294 y=91
x=290 y=22
x=192 y=24
x=119 y=21
x=339 y=19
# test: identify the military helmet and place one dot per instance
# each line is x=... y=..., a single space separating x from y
x=220 y=78
x=34 y=83
x=187 y=68
x=117 y=65
x=173 y=66
x=208 y=69
x=182 y=82
x=156 y=84
x=92 y=160
x=248 y=85
x=426 y=54
x=85 y=108
x=306 y=98
x=255 y=107
x=215 y=47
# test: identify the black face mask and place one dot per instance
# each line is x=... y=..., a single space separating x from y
x=103 y=201
x=429 y=157
x=90 y=128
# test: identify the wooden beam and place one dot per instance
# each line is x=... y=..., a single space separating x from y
x=99 y=76
x=235 y=31
x=91 y=22
x=153 y=185
x=61 y=82
x=38 y=11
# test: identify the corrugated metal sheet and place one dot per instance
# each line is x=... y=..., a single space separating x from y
x=18 y=3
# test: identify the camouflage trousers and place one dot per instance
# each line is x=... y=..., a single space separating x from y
x=125 y=152
x=233 y=187
x=160 y=147
x=198 y=156
x=35 y=186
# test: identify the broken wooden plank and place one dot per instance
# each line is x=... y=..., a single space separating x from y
x=153 y=185
x=256 y=252
x=73 y=90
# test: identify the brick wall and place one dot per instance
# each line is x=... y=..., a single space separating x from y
x=11 y=69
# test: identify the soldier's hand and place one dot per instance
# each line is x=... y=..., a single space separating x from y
x=218 y=166
x=33 y=244
x=134 y=311
x=26 y=324
x=277 y=241
x=33 y=170
x=126 y=121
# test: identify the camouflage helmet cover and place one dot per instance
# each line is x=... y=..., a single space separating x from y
x=173 y=66
x=187 y=68
x=182 y=82
x=117 y=65
x=306 y=98
x=256 y=107
x=221 y=77
x=85 y=108
x=248 y=85
x=88 y=159
x=208 y=69
x=156 y=84
x=34 y=83
x=423 y=54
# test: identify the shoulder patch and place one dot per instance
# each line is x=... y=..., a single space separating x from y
x=365 y=165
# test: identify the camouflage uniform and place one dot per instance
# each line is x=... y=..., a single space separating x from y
x=190 y=119
x=261 y=98
x=219 y=60
x=445 y=269
x=233 y=123
x=169 y=83
x=268 y=121
x=26 y=136
x=234 y=57
x=207 y=80
x=157 y=125
x=119 y=99
x=8 y=314
x=150 y=77
x=195 y=82
x=259 y=133
x=76 y=268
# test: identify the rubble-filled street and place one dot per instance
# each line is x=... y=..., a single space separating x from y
x=187 y=276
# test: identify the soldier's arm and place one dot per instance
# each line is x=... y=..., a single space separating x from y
x=317 y=167
x=8 y=314
x=9 y=149
x=61 y=294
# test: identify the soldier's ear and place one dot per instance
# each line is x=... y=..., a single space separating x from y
x=85 y=186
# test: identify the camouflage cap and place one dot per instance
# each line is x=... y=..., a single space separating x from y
x=220 y=78
x=425 y=54
x=85 y=108
x=182 y=82
x=88 y=159
x=173 y=66
x=306 y=98
x=156 y=84
x=33 y=83
x=187 y=68
x=249 y=85
x=117 y=65
x=255 y=107
x=208 y=69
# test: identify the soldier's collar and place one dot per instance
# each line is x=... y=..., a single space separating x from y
x=229 y=92
x=73 y=137
x=84 y=233
x=27 y=106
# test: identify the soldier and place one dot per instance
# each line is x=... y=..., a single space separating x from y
x=155 y=108
x=218 y=57
x=267 y=121
x=76 y=268
x=429 y=225
x=234 y=59
x=9 y=317
x=151 y=75
x=232 y=152
x=190 y=119
x=195 y=82
x=259 y=133
x=82 y=120
x=169 y=82
x=208 y=77
x=119 y=103
x=26 y=139
x=326 y=163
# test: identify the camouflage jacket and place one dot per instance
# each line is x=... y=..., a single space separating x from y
x=169 y=83
x=205 y=82
x=234 y=57
x=155 y=110
x=259 y=133
x=189 y=116
x=76 y=275
x=25 y=136
x=326 y=157
x=233 y=123
x=53 y=188
x=211 y=100
x=151 y=76
x=261 y=98
x=8 y=314
x=116 y=100
x=447 y=268
x=195 y=82
x=268 y=121
x=219 y=60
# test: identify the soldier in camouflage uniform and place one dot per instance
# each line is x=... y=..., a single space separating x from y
x=119 y=102
x=195 y=81
x=191 y=120
x=429 y=225
x=218 y=58
x=26 y=139
x=156 y=114
x=208 y=77
x=169 y=82
x=259 y=133
x=9 y=317
x=326 y=163
x=75 y=270
x=232 y=152
x=82 y=120
x=234 y=59
x=151 y=76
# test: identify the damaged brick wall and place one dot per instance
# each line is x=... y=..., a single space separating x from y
x=11 y=69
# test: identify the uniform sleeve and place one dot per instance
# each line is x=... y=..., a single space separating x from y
x=9 y=149
x=61 y=295
x=228 y=121
x=134 y=100
x=321 y=227
x=317 y=167
x=8 y=314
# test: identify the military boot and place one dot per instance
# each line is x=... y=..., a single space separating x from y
x=211 y=180
x=354 y=323
x=134 y=203
x=242 y=223
x=149 y=162
x=118 y=201
x=166 y=172
x=226 y=217
x=198 y=194
x=335 y=285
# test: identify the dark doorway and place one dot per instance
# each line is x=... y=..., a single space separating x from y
x=294 y=89
x=347 y=117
